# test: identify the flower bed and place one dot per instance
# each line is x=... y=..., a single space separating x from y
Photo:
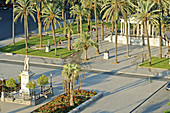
x=61 y=104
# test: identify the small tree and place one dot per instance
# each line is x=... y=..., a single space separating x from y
x=11 y=83
x=42 y=80
x=31 y=85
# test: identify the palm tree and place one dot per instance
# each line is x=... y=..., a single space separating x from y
x=69 y=28
x=23 y=9
x=145 y=13
x=114 y=7
x=80 y=11
x=39 y=5
x=71 y=73
x=13 y=23
x=51 y=16
x=84 y=42
x=161 y=5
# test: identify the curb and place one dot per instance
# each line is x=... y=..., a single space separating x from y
x=147 y=98
x=86 y=103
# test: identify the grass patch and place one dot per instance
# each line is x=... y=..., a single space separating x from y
x=19 y=47
x=85 y=27
x=157 y=63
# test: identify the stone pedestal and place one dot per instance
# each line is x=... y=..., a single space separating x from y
x=25 y=78
x=47 y=49
x=106 y=56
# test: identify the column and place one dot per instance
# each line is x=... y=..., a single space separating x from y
x=137 y=29
x=141 y=29
x=153 y=30
x=121 y=28
x=128 y=28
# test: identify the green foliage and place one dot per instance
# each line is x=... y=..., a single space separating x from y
x=43 y=80
x=31 y=85
x=19 y=79
x=19 y=47
x=157 y=63
x=84 y=42
x=71 y=71
x=11 y=82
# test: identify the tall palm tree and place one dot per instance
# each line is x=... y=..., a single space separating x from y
x=71 y=73
x=95 y=13
x=38 y=6
x=110 y=8
x=80 y=11
x=51 y=16
x=69 y=28
x=13 y=22
x=145 y=13
x=161 y=5
x=84 y=42
x=23 y=9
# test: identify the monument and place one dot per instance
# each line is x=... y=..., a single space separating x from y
x=26 y=76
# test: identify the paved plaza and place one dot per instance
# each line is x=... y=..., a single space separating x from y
x=124 y=85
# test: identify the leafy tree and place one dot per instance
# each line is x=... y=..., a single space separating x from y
x=23 y=9
x=11 y=83
x=31 y=85
x=145 y=13
x=51 y=16
x=42 y=81
x=69 y=29
x=84 y=42
x=71 y=73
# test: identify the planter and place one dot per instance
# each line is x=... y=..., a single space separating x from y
x=61 y=103
x=47 y=49
x=106 y=56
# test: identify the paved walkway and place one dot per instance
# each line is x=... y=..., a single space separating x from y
x=96 y=62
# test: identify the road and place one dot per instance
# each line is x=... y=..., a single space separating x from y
x=121 y=93
x=6 y=25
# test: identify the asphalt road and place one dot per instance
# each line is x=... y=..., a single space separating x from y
x=6 y=25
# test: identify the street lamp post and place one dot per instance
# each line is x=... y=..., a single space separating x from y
x=51 y=85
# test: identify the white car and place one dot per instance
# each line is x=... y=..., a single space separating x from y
x=168 y=86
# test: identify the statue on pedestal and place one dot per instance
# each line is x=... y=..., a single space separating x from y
x=26 y=63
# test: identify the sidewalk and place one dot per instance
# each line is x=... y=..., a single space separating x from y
x=97 y=63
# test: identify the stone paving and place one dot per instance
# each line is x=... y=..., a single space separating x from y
x=125 y=93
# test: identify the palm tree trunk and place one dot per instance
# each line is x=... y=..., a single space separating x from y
x=39 y=27
x=112 y=26
x=115 y=62
x=127 y=38
x=102 y=30
x=91 y=20
x=146 y=32
x=81 y=29
x=85 y=57
x=160 y=40
x=25 y=28
x=13 y=25
x=77 y=25
x=88 y=22
x=65 y=18
x=97 y=40
x=53 y=30
x=71 y=95
x=69 y=41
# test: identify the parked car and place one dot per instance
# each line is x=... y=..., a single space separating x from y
x=168 y=86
